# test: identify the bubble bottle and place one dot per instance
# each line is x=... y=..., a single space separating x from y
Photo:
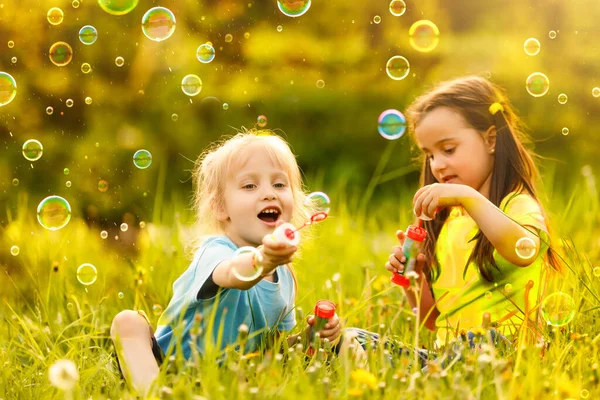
x=324 y=311
x=413 y=234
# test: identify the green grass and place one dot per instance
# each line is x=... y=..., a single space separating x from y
x=48 y=315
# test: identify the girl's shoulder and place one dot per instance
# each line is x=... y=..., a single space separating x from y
x=519 y=200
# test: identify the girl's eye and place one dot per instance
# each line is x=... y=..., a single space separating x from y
x=279 y=185
x=449 y=150
x=249 y=186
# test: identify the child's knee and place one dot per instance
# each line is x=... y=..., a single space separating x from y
x=129 y=323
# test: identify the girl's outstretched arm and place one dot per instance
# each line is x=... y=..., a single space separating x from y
x=502 y=232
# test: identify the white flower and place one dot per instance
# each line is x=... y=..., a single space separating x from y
x=412 y=274
x=63 y=374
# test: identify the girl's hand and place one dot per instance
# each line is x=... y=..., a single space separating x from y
x=275 y=253
x=396 y=260
x=430 y=197
x=330 y=331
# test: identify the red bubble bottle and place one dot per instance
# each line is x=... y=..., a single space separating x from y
x=413 y=234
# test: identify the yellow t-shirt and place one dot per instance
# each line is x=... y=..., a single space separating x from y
x=462 y=301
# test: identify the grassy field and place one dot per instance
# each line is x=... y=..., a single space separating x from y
x=47 y=315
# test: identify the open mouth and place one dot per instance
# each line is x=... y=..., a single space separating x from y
x=449 y=178
x=269 y=215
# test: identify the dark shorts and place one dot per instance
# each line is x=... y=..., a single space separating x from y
x=159 y=356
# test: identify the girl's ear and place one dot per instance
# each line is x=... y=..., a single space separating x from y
x=221 y=212
x=489 y=137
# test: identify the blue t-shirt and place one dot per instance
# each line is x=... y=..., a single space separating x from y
x=264 y=307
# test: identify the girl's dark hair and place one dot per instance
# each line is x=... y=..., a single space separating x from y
x=514 y=169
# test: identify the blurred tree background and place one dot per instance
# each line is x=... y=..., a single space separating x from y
x=273 y=72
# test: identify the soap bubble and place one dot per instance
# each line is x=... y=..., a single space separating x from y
x=88 y=35
x=397 y=68
x=60 y=54
x=225 y=106
x=13 y=60
x=15 y=182
x=75 y=3
x=537 y=84
x=558 y=309
x=158 y=24
x=531 y=46
x=293 y=8
x=247 y=273
x=88 y=100
x=142 y=159
x=525 y=248
x=320 y=84
x=508 y=288
x=32 y=150
x=261 y=121
x=228 y=38
x=191 y=85
x=279 y=28
x=377 y=19
x=424 y=36
x=102 y=185
x=565 y=131
x=120 y=295
x=562 y=98
x=391 y=124
x=86 y=68
x=8 y=88
x=54 y=212
x=103 y=234
x=68 y=184
x=488 y=295
x=119 y=61
x=118 y=7
x=174 y=117
x=397 y=7
x=14 y=250
x=49 y=110
x=318 y=202
x=69 y=103
x=11 y=44
x=55 y=16
x=124 y=227
x=87 y=274
x=205 y=53
x=157 y=309
x=596 y=272
x=584 y=394
x=596 y=92
x=552 y=34
x=247 y=35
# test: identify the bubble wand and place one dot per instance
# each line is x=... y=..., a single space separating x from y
x=289 y=233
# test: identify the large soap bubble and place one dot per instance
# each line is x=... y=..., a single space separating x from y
x=8 y=88
x=158 y=24
x=391 y=124
x=293 y=8
x=118 y=7
x=537 y=84
x=397 y=68
x=558 y=309
x=53 y=213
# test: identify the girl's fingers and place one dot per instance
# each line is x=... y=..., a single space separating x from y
x=328 y=333
x=419 y=192
x=398 y=253
x=389 y=267
x=431 y=207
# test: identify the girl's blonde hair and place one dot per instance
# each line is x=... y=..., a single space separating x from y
x=216 y=164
